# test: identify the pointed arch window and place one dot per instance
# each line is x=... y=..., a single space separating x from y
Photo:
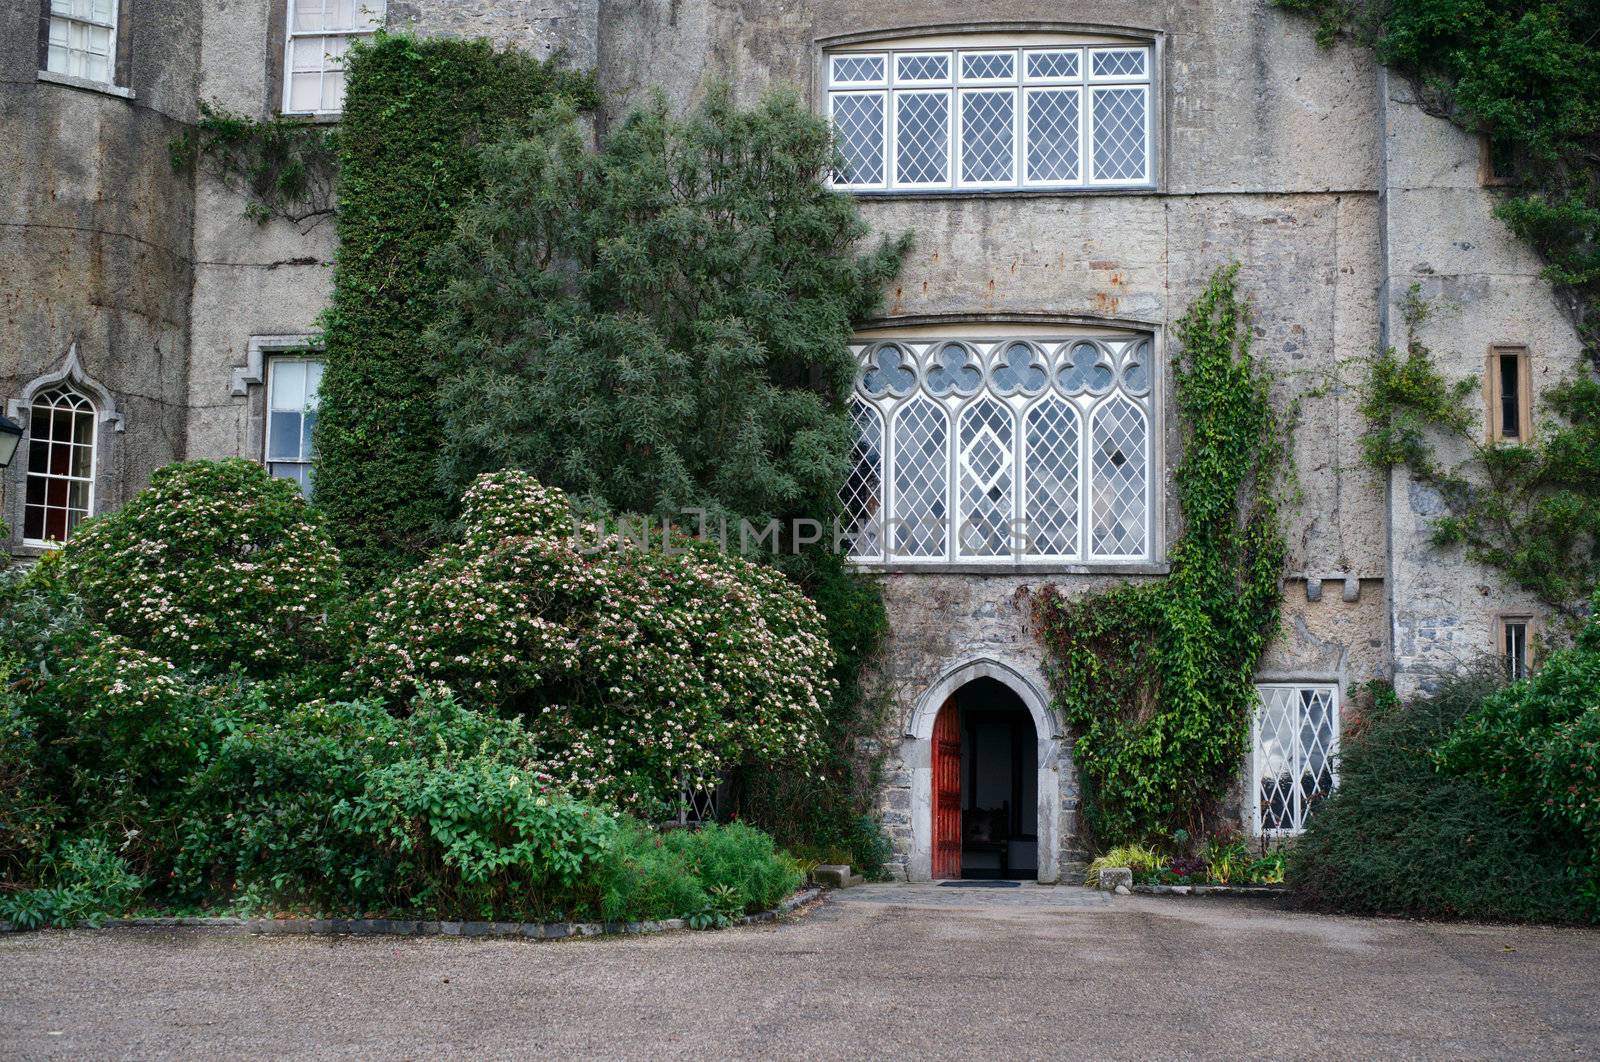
x=59 y=490
x=1000 y=450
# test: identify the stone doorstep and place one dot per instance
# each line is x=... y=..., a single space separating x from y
x=401 y=927
x=836 y=875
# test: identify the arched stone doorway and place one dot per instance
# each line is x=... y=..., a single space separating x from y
x=1006 y=746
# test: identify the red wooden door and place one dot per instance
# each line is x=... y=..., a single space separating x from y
x=947 y=793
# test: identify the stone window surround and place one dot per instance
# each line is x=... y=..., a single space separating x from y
x=105 y=477
x=1497 y=632
x=122 y=59
x=249 y=382
x=1160 y=487
x=1492 y=394
x=906 y=36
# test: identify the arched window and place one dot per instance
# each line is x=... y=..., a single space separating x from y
x=1001 y=450
x=993 y=112
x=61 y=464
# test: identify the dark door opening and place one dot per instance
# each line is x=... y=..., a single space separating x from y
x=999 y=783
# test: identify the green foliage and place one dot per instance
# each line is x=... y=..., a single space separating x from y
x=662 y=323
x=636 y=669
x=1537 y=743
x=1526 y=74
x=1530 y=510
x=283 y=165
x=416 y=114
x=1399 y=836
x=84 y=881
x=28 y=812
x=216 y=565
x=1157 y=679
x=1139 y=858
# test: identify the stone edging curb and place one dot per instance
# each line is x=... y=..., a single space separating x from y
x=1210 y=890
x=395 y=927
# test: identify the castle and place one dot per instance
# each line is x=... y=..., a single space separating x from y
x=1072 y=173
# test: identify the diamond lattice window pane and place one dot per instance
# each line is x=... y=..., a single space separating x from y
x=1052 y=117
x=921 y=478
x=1050 y=467
x=857 y=69
x=1117 y=62
x=1052 y=65
x=922 y=67
x=988 y=66
x=1296 y=748
x=922 y=137
x=986 y=480
x=986 y=135
x=862 y=493
x=1118 y=471
x=858 y=131
x=1119 y=134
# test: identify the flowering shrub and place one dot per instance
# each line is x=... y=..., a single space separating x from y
x=215 y=564
x=633 y=669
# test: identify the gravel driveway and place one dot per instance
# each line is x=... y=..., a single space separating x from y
x=882 y=971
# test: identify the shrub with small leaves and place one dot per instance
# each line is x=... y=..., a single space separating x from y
x=634 y=668
x=215 y=565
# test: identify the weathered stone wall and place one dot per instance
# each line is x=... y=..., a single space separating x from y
x=1483 y=287
x=95 y=238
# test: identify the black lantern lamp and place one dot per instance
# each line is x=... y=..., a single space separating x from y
x=10 y=436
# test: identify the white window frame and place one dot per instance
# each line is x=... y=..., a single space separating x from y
x=44 y=401
x=52 y=15
x=884 y=154
x=1299 y=813
x=892 y=134
x=1051 y=351
x=1021 y=85
x=290 y=35
x=274 y=362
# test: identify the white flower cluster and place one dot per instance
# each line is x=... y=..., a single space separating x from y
x=634 y=669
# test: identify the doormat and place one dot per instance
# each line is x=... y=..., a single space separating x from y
x=980 y=884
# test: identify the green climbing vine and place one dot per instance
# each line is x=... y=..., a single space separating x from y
x=284 y=166
x=1525 y=74
x=1157 y=679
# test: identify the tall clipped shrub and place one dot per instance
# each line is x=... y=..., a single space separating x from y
x=415 y=115
x=1157 y=680
x=661 y=323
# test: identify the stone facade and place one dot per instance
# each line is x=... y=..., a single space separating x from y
x=1310 y=167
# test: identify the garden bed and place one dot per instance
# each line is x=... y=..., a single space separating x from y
x=1212 y=890
x=402 y=927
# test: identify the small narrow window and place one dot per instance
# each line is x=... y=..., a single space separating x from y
x=1510 y=407
x=1513 y=642
x=319 y=34
x=1497 y=162
x=82 y=39
x=292 y=386
x=1296 y=754
x=61 y=465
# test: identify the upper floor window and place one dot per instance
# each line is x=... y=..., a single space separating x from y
x=82 y=39
x=1296 y=753
x=320 y=32
x=1512 y=638
x=61 y=463
x=1002 y=450
x=1509 y=398
x=292 y=387
x=939 y=114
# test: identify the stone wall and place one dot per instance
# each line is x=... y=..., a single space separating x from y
x=95 y=245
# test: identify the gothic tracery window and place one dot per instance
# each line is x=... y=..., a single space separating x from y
x=59 y=491
x=1002 y=450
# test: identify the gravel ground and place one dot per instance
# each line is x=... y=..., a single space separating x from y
x=876 y=972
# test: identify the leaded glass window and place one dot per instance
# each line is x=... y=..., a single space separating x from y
x=1050 y=113
x=1296 y=754
x=59 y=490
x=1002 y=450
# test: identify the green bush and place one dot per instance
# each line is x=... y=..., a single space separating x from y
x=1399 y=836
x=635 y=669
x=29 y=813
x=1537 y=743
x=215 y=565
x=84 y=881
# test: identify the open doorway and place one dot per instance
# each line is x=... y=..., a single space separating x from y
x=986 y=780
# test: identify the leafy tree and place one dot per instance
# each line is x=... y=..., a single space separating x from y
x=661 y=323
